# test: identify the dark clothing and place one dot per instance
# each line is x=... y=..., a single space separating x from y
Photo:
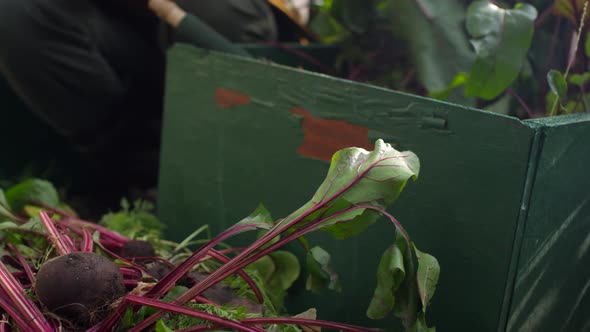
x=238 y=20
x=206 y=36
x=95 y=73
x=97 y=79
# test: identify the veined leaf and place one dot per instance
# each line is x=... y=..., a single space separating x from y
x=32 y=190
x=321 y=272
x=358 y=184
x=351 y=223
x=358 y=175
x=260 y=217
x=390 y=275
x=357 y=178
x=401 y=288
x=501 y=39
x=407 y=301
x=279 y=270
x=428 y=274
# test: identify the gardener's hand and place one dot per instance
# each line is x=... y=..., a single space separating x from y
x=167 y=10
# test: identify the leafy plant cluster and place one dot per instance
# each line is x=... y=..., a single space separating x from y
x=527 y=59
x=202 y=283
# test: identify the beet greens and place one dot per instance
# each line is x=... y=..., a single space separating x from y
x=137 y=280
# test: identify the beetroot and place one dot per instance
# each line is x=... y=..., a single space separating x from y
x=79 y=286
x=137 y=248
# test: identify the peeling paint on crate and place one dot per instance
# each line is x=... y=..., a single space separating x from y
x=322 y=138
x=228 y=98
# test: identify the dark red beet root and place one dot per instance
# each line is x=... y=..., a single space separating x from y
x=79 y=286
x=137 y=248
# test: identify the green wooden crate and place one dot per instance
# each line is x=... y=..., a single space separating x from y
x=502 y=203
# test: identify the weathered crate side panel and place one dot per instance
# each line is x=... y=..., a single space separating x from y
x=239 y=132
x=553 y=280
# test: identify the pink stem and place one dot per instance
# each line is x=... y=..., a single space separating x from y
x=224 y=259
x=23 y=304
x=241 y=259
x=166 y=283
x=9 y=307
x=302 y=55
x=522 y=103
x=23 y=262
x=87 y=244
x=189 y=312
x=307 y=322
x=62 y=246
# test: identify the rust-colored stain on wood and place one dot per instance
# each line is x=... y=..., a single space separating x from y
x=229 y=98
x=322 y=138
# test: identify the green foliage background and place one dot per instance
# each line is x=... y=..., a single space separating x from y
x=510 y=57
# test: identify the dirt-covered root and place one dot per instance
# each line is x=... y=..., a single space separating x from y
x=137 y=248
x=79 y=287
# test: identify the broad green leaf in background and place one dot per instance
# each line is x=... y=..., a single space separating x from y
x=501 y=39
x=321 y=272
x=286 y=269
x=135 y=222
x=557 y=84
x=354 y=15
x=3 y=201
x=501 y=106
x=572 y=106
x=428 y=274
x=4 y=207
x=579 y=79
x=327 y=27
x=32 y=190
x=433 y=31
x=457 y=82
